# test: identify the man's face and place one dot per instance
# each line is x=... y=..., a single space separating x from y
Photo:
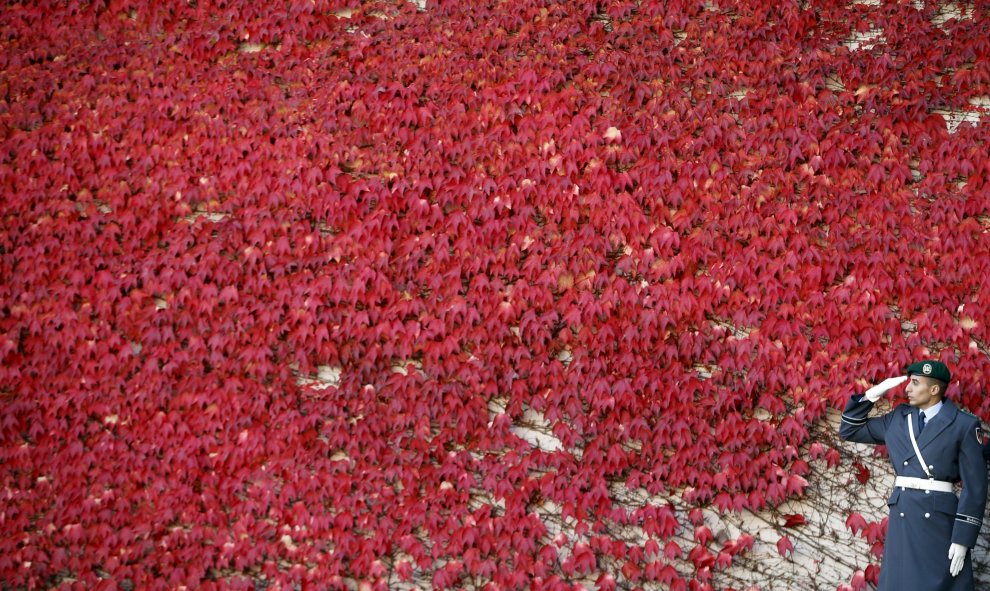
x=921 y=392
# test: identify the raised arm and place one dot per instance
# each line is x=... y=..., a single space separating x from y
x=855 y=425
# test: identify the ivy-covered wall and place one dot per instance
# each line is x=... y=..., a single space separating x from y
x=341 y=294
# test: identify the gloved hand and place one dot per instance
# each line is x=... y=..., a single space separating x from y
x=874 y=393
x=957 y=556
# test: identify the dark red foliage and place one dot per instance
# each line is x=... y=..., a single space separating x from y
x=678 y=231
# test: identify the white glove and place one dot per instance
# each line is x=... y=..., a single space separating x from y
x=874 y=393
x=957 y=556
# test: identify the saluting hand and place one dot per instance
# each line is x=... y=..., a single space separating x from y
x=874 y=393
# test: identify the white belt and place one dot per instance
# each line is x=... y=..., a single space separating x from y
x=923 y=483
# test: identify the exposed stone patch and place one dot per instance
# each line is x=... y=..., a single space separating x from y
x=955 y=117
x=867 y=40
x=740 y=93
x=250 y=47
x=535 y=429
x=951 y=11
x=402 y=366
x=212 y=216
x=835 y=84
x=326 y=376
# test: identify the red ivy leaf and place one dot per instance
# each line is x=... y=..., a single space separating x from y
x=794 y=520
x=855 y=522
x=785 y=547
x=862 y=472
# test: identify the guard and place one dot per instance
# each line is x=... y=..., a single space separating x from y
x=934 y=446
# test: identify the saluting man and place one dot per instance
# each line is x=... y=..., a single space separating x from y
x=933 y=445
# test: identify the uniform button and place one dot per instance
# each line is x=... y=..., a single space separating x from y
x=905 y=462
x=902 y=515
x=928 y=492
x=927 y=515
x=931 y=467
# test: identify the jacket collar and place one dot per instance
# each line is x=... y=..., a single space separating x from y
x=942 y=420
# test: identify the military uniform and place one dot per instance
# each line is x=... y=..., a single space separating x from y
x=925 y=514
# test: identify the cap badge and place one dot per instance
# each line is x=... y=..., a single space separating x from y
x=927 y=369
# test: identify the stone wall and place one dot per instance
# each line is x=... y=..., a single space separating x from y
x=826 y=553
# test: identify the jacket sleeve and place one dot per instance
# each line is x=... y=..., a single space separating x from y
x=973 y=498
x=855 y=425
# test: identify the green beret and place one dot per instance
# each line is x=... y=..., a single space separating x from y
x=930 y=369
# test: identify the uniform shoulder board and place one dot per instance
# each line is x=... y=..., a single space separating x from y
x=971 y=415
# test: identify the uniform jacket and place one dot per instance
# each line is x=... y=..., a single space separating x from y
x=951 y=445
